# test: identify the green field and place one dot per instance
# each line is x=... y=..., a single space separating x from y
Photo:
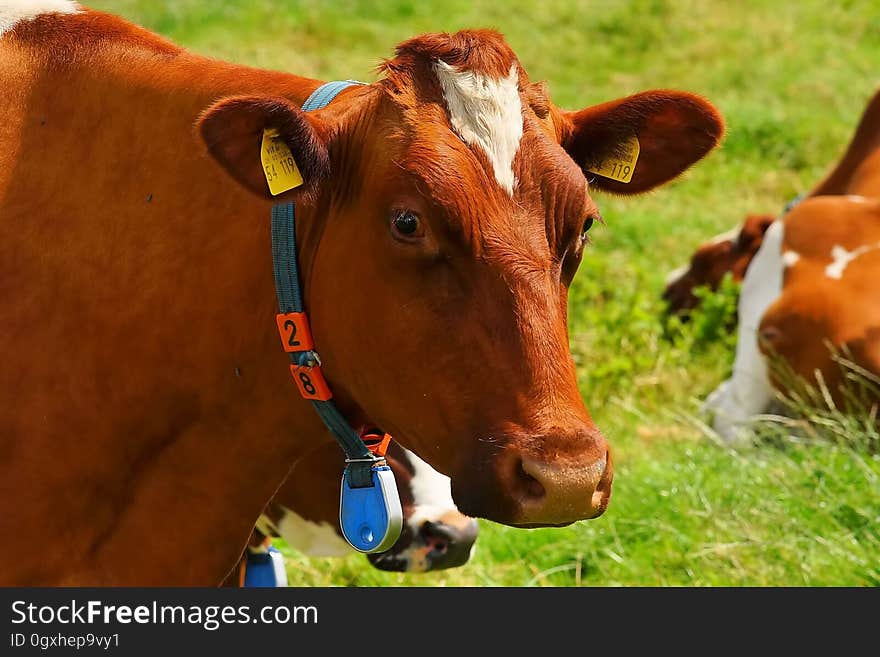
x=791 y=80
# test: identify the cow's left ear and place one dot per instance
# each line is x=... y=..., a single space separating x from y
x=674 y=129
x=233 y=130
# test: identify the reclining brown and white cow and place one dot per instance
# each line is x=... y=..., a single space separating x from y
x=305 y=513
x=809 y=280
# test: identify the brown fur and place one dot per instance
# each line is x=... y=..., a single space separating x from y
x=144 y=384
x=857 y=172
x=815 y=311
x=713 y=260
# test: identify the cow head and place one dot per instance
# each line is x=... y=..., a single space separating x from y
x=729 y=252
x=435 y=535
x=443 y=218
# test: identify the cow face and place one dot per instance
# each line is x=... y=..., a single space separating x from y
x=435 y=536
x=729 y=252
x=443 y=218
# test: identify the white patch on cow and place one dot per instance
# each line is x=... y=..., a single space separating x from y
x=676 y=275
x=432 y=493
x=790 y=258
x=748 y=391
x=727 y=236
x=841 y=258
x=432 y=496
x=13 y=12
x=316 y=539
x=679 y=272
x=487 y=113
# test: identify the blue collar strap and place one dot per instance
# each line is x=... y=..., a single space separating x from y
x=324 y=95
x=370 y=513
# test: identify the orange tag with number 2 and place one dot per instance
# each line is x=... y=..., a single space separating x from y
x=294 y=331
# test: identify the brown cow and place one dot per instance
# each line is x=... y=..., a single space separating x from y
x=440 y=224
x=727 y=253
x=856 y=173
x=810 y=283
x=305 y=513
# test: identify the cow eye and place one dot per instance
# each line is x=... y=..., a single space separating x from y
x=406 y=224
x=588 y=223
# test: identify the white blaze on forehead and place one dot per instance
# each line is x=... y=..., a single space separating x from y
x=312 y=538
x=840 y=258
x=13 y=12
x=486 y=113
x=748 y=391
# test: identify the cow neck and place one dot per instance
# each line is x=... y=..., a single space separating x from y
x=370 y=514
x=362 y=452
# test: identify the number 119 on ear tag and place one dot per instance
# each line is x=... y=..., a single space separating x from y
x=620 y=165
x=279 y=167
x=371 y=517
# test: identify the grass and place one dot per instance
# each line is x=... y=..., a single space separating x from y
x=791 y=80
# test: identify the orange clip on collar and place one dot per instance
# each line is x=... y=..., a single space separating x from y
x=377 y=442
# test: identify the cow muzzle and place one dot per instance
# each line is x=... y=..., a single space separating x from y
x=541 y=480
x=446 y=542
x=559 y=494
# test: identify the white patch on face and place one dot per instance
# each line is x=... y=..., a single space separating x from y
x=748 y=391
x=676 y=275
x=487 y=113
x=432 y=493
x=790 y=258
x=311 y=538
x=841 y=258
x=13 y=12
x=727 y=236
x=432 y=496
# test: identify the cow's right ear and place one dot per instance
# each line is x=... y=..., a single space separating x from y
x=233 y=128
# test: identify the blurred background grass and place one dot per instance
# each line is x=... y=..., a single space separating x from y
x=791 y=78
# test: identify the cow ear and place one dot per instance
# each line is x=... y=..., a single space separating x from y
x=674 y=129
x=753 y=229
x=233 y=129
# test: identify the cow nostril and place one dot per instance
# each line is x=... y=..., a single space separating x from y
x=437 y=537
x=569 y=490
x=437 y=546
x=602 y=494
x=530 y=487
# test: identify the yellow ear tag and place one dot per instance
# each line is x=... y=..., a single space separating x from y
x=281 y=171
x=621 y=165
